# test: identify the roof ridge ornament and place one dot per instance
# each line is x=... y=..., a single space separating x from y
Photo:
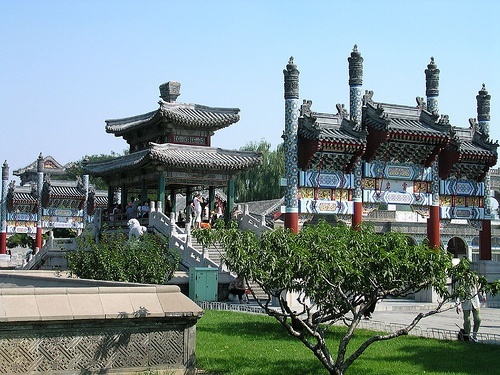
x=368 y=98
x=444 y=120
x=305 y=108
x=421 y=105
x=341 y=111
x=170 y=91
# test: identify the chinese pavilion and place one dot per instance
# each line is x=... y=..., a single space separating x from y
x=380 y=154
x=171 y=153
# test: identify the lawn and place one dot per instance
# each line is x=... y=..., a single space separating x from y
x=237 y=343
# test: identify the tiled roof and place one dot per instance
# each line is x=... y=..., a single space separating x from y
x=201 y=157
x=472 y=149
x=120 y=126
x=401 y=121
x=23 y=197
x=187 y=115
x=195 y=115
x=66 y=192
x=101 y=200
x=179 y=157
x=327 y=128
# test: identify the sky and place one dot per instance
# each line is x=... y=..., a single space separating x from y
x=67 y=66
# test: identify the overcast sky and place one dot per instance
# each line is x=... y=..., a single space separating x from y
x=67 y=66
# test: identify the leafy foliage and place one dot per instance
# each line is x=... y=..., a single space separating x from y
x=20 y=240
x=261 y=182
x=336 y=273
x=75 y=169
x=143 y=260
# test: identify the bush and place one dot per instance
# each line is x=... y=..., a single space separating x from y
x=115 y=258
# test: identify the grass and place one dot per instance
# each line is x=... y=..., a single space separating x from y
x=236 y=343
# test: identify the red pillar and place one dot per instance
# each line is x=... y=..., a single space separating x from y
x=433 y=228
x=485 y=241
x=357 y=215
x=3 y=243
x=292 y=221
x=38 y=239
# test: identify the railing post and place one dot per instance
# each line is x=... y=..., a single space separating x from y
x=188 y=233
x=173 y=230
x=51 y=240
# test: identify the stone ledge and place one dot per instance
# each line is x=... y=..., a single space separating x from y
x=76 y=299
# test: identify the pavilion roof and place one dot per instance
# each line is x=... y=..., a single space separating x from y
x=178 y=156
x=183 y=114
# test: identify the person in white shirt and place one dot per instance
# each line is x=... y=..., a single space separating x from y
x=197 y=211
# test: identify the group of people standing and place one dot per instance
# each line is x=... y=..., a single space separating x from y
x=201 y=212
x=135 y=209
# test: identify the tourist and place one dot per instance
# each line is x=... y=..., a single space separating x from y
x=144 y=209
x=130 y=212
x=115 y=212
x=369 y=310
x=237 y=288
x=197 y=211
x=471 y=304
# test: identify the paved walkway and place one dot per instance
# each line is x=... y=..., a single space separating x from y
x=445 y=325
x=391 y=315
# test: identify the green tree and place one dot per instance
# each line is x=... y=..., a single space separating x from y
x=75 y=169
x=115 y=258
x=20 y=240
x=261 y=182
x=336 y=273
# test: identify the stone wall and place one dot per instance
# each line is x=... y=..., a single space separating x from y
x=72 y=326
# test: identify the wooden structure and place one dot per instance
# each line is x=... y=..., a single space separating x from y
x=383 y=155
x=170 y=152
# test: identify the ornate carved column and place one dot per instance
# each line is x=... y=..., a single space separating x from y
x=86 y=189
x=432 y=93
x=39 y=232
x=291 y=75
x=356 y=113
x=483 y=119
x=3 y=209
x=432 y=86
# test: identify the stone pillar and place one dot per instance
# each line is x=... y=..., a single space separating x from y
x=291 y=75
x=483 y=120
x=39 y=231
x=356 y=114
x=432 y=86
x=3 y=209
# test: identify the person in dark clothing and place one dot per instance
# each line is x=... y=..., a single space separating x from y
x=237 y=287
